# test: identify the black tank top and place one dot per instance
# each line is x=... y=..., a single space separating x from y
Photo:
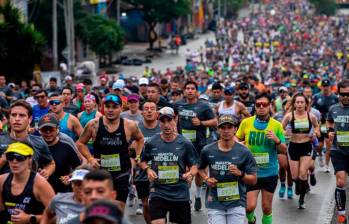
x=300 y=126
x=112 y=149
x=25 y=201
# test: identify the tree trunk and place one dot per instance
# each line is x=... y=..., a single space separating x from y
x=152 y=35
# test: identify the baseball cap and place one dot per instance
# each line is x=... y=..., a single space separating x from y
x=79 y=174
x=80 y=86
x=68 y=78
x=283 y=88
x=326 y=82
x=48 y=120
x=229 y=90
x=119 y=84
x=244 y=85
x=227 y=119
x=20 y=148
x=176 y=92
x=103 y=209
x=11 y=85
x=112 y=98
x=166 y=112
x=90 y=97
x=143 y=81
x=134 y=97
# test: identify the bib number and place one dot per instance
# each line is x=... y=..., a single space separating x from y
x=262 y=159
x=342 y=138
x=228 y=191
x=111 y=162
x=189 y=134
x=323 y=129
x=168 y=174
x=301 y=125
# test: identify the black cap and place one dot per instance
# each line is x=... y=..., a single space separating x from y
x=244 y=85
x=48 y=120
x=217 y=85
x=229 y=90
x=103 y=209
x=176 y=91
x=227 y=119
x=326 y=82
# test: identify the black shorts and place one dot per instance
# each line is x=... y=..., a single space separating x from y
x=322 y=137
x=340 y=161
x=298 y=150
x=122 y=187
x=179 y=210
x=142 y=189
x=313 y=154
x=264 y=183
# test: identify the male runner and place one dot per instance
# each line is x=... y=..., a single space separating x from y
x=173 y=165
x=264 y=136
x=194 y=118
x=112 y=135
x=338 y=133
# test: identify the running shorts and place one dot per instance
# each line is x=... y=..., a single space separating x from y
x=264 y=183
x=298 y=150
x=340 y=161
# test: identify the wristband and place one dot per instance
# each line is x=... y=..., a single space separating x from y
x=278 y=143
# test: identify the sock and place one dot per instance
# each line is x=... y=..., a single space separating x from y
x=250 y=217
x=198 y=192
x=296 y=181
x=302 y=189
x=340 y=199
x=267 y=219
x=283 y=184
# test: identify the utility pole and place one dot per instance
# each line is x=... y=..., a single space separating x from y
x=69 y=28
x=219 y=10
x=54 y=35
x=118 y=11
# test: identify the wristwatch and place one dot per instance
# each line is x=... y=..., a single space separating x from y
x=33 y=219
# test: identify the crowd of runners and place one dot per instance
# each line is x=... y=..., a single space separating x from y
x=258 y=105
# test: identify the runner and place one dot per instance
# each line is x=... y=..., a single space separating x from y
x=244 y=96
x=41 y=108
x=173 y=165
x=231 y=166
x=23 y=193
x=70 y=201
x=153 y=95
x=264 y=136
x=64 y=155
x=133 y=113
x=194 y=119
x=20 y=119
x=69 y=107
x=149 y=127
x=300 y=149
x=338 y=126
x=68 y=124
x=91 y=110
x=112 y=135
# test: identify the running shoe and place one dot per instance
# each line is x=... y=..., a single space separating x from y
x=312 y=179
x=301 y=205
x=341 y=219
x=282 y=191
x=132 y=196
x=289 y=192
x=254 y=221
x=197 y=204
x=321 y=161
x=327 y=169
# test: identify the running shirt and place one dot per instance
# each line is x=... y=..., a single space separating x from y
x=323 y=103
x=340 y=116
x=196 y=134
x=38 y=112
x=112 y=149
x=25 y=201
x=169 y=160
x=66 y=208
x=263 y=149
x=227 y=111
x=301 y=126
x=63 y=127
x=141 y=175
x=230 y=191
x=133 y=117
x=86 y=117
x=249 y=102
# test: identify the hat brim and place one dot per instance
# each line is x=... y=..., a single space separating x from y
x=48 y=125
x=166 y=115
x=104 y=217
x=18 y=152
x=226 y=122
x=111 y=101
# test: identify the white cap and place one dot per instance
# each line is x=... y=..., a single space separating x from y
x=79 y=174
x=119 y=84
x=143 y=81
x=68 y=78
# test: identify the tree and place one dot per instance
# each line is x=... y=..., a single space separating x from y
x=157 y=11
x=20 y=45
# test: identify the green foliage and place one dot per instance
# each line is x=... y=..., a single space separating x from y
x=162 y=11
x=20 y=45
x=103 y=36
x=327 y=7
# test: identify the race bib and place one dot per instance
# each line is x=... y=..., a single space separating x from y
x=228 y=191
x=189 y=134
x=323 y=129
x=301 y=125
x=111 y=162
x=262 y=159
x=208 y=132
x=342 y=138
x=168 y=174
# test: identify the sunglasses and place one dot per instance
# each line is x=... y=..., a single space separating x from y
x=260 y=104
x=115 y=99
x=55 y=102
x=14 y=156
x=47 y=129
x=344 y=94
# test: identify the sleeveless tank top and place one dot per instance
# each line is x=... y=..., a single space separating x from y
x=85 y=117
x=300 y=126
x=63 y=127
x=25 y=201
x=112 y=149
x=227 y=111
